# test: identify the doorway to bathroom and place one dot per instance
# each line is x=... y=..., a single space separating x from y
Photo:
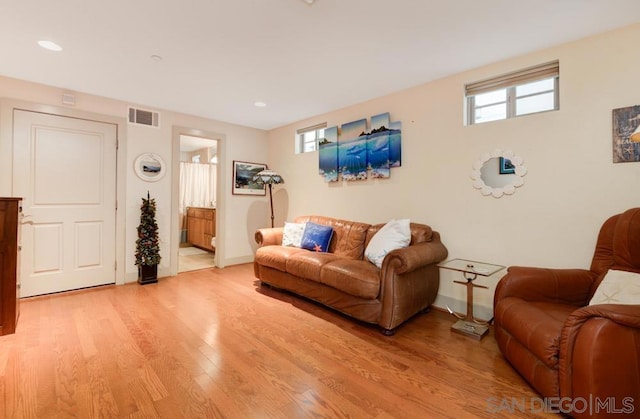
x=197 y=203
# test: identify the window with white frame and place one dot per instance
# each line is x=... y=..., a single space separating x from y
x=532 y=90
x=307 y=139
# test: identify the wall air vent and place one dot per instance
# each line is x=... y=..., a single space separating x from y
x=143 y=117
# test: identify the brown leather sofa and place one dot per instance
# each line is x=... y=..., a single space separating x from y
x=587 y=356
x=342 y=279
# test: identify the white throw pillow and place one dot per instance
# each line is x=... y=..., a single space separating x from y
x=618 y=287
x=292 y=235
x=396 y=234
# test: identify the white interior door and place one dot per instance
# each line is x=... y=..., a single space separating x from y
x=65 y=170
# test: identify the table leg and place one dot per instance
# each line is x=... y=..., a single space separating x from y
x=468 y=325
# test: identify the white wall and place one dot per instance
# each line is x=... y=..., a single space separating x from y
x=572 y=185
x=241 y=215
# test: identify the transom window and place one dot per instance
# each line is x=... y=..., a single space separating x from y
x=307 y=139
x=527 y=91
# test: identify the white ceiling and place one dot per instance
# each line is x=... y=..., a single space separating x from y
x=220 y=56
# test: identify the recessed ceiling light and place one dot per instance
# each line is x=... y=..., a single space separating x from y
x=50 y=45
x=259 y=104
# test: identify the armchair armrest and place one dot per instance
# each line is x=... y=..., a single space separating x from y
x=623 y=314
x=599 y=349
x=269 y=236
x=410 y=258
x=566 y=286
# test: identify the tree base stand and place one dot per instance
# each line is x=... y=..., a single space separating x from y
x=147 y=274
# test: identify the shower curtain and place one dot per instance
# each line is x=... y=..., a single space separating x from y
x=197 y=188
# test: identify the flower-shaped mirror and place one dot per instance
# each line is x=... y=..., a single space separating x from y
x=498 y=173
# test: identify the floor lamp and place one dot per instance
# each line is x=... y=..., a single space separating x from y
x=268 y=177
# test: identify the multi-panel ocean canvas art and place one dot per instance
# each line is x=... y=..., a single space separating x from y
x=378 y=146
x=354 y=153
x=395 y=144
x=352 y=150
x=328 y=149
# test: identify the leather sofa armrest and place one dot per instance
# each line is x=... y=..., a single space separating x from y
x=566 y=286
x=269 y=236
x=409 y=281
x=410 y=258
x=599 y=353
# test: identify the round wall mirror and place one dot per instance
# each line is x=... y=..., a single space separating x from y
x=498 y=173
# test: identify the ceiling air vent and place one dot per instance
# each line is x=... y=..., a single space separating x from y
x=143 y=117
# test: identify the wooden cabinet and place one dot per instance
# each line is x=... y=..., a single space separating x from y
x=201 y=226
x=10 y=209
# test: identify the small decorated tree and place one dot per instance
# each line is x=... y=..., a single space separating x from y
x=148 y=244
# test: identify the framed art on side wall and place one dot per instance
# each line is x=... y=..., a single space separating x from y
x=243 y=183
x=626 y=126
x=149 y=167
x=506 y=167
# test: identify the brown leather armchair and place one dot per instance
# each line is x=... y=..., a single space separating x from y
x=579 y=356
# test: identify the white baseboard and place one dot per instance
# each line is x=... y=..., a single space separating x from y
x=236 y=261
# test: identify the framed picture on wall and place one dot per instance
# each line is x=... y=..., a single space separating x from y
x=506 y=167
x=626 y=126
x=243 y=183
x=149 y=167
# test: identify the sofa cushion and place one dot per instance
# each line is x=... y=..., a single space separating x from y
x=307 y=265
x=396 y=234
x=355 y=277
x=618 y=287
x=420 y=233
x=348 y=236
x=316 y=237
x=275 y=256
x=536 y=325
x=292 y=234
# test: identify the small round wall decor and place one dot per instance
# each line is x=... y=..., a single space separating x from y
x=149 y=167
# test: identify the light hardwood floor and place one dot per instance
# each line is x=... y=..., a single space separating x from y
x=191 y=258
x=214 y=343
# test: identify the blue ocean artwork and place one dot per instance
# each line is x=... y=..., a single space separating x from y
x=352 y=151
x=395 y=144
x=378 y=146
x=352 y=155
x=380 y=121
x=378 y=154
x=328 y=160
x=352 y=130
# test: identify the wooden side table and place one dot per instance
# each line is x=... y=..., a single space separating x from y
x=467 y=324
